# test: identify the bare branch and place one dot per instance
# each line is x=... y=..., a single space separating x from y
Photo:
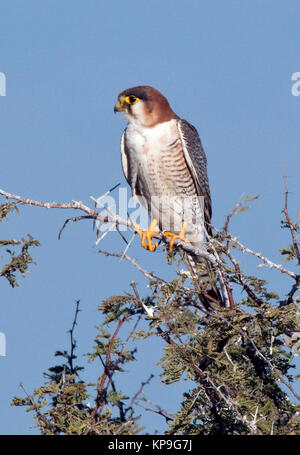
x=149 y=275
x=72 y=341
x=140 y=390
x=237 y=206
x=105 y=374
x=293 y=229
x=290 y=295
x=267 y=261
x=239 y=276
x=235 y=210
x=111 y=218
x=159 y=410
x=74 y=219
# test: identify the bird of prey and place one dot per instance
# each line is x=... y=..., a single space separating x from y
x=165 y=165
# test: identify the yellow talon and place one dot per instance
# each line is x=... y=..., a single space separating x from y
x=175 y=236
x=147 y=235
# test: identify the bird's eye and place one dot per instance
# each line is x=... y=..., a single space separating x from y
x=131 y=99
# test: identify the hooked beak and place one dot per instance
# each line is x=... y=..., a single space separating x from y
x=119 y=107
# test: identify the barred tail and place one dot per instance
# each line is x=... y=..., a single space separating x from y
x=203 y=277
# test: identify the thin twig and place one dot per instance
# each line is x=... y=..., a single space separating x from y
x=259 y=354
x=74 y=219
x=127 y=246
x=40 y=417
x=149 y=275
x=239 y=276
x=114 y=219
x=73 y=342
x=267 y=261
x=105 y=374
x=237 y=206
x=149 y=311
x=140 y=390
x=293 y=230
x=159 y=410
x=113 y=367
x=290 y=295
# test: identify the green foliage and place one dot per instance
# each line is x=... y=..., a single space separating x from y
x=290 y=252
x=238 y=357
x=19 y=261
x=61 y=405
x=6 y=208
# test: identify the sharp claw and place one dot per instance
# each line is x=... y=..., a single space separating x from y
x=147 y=235
x=175 y=236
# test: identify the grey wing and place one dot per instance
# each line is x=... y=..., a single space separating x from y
x=129 y=165
x=132 y=173
x=196 y=161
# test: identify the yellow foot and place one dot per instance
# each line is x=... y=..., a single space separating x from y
x=175 y=236
x=147 y=235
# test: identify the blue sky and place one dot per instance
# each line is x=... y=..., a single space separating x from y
x=225 y=66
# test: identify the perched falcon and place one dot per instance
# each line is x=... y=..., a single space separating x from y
x=165 y=165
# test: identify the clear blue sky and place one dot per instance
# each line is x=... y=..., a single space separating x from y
x=225 y=66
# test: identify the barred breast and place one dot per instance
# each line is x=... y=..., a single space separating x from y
x=163 y=178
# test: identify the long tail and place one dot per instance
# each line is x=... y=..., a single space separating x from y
x=204 y=279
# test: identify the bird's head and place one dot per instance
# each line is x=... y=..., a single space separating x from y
x=144 y=106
